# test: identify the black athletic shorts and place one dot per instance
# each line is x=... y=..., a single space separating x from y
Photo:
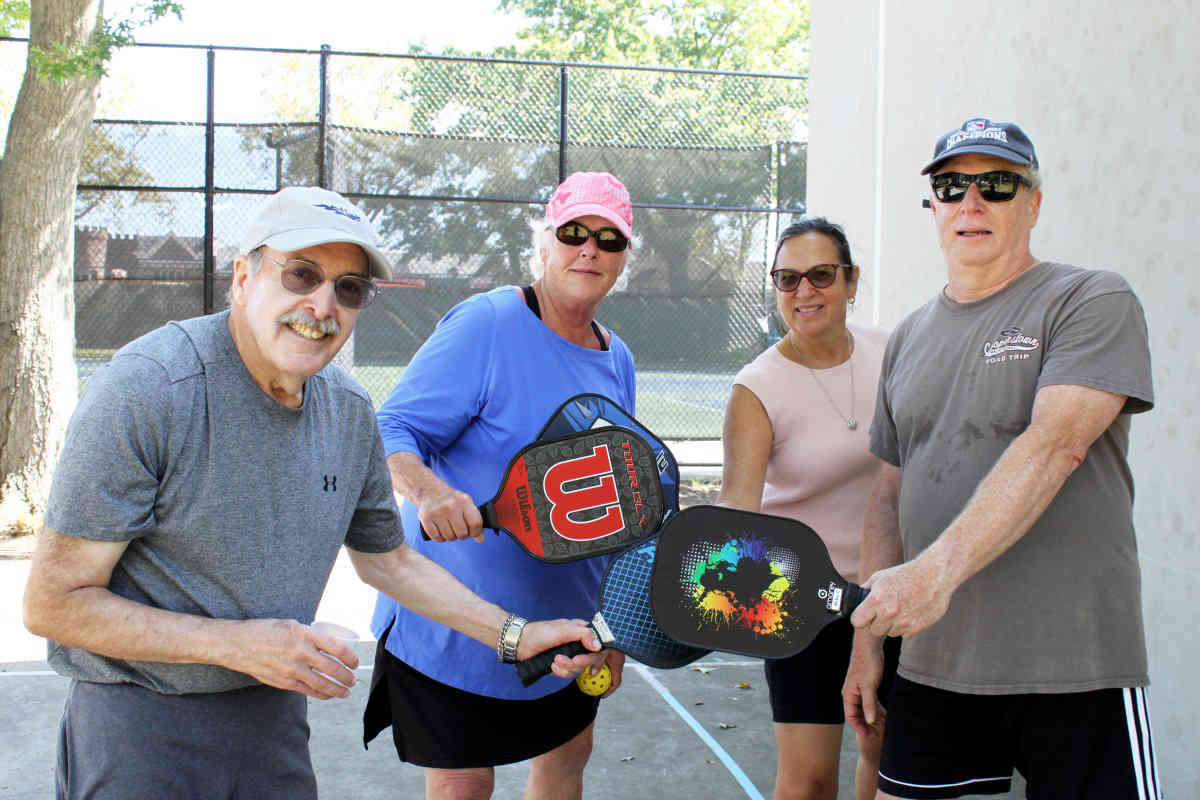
x=807 y=687
x=435 y=725
x=1077 y=746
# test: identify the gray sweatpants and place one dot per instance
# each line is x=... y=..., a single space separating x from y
x=119 y=742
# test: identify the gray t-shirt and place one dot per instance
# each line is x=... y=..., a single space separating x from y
x=1061 y=610
x=233 y=505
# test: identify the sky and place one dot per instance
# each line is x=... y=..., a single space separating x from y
x=392 y=27
x=151 y=84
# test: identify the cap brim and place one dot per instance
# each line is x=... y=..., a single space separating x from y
x=290 y=241
x=982 y=149
x=586 y=209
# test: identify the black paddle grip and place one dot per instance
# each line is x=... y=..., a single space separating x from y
x=531 y=669
x=852 y=597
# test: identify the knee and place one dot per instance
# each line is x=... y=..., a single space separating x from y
x=459 y=784
x=566 y=759
x=808 y=787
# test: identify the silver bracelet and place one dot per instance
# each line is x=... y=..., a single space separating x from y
x=510 y=637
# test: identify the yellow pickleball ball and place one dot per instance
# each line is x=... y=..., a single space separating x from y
x=595 y=683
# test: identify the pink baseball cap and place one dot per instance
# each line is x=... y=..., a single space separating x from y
x=584 y=193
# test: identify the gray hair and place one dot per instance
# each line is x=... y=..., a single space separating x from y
x=253 y=265
x=540 y=239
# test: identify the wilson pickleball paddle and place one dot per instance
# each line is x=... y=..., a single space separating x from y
x=741 y=582
x=590 y=411
x=578 y=496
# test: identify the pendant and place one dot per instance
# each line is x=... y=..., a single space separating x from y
x=852 y=424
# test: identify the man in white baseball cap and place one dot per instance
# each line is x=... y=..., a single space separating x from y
x=210 y=475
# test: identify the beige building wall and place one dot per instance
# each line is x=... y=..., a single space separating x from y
x=1108 y=91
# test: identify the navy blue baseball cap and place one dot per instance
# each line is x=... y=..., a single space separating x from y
x=980 y=135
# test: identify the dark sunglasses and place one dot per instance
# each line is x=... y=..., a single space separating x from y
x=821 y=276
x=997 y=186
x=574 y=234
x=303 y=277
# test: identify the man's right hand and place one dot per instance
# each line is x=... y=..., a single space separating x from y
x=289 y=655
x=859 y=699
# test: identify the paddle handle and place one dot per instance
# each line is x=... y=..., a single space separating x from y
x=487 y=511
x=531 y=669
x=852 y=597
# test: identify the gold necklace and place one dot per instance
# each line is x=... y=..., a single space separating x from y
x=850 y=421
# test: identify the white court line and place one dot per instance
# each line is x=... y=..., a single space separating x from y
x=731 y=765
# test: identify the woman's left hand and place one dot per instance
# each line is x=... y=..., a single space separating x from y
x=565 y=667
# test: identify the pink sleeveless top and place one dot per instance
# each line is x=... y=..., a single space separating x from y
x=820 y=472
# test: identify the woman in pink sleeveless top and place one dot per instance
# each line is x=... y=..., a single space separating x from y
x=795 y=445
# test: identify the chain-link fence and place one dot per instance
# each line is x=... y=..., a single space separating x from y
x=451 y=158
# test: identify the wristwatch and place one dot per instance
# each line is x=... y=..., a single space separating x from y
x=510 y=637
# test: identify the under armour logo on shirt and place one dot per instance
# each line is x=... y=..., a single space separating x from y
x=330 y=483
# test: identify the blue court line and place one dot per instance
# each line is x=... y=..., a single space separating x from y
x=731 y=765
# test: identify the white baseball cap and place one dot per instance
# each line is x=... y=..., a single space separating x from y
x=303 y=216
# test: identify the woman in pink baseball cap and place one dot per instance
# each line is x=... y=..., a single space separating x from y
x=482 y=387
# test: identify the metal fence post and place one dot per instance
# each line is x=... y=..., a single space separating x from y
x=210 y=148
x=323 y=118
x=562 y=124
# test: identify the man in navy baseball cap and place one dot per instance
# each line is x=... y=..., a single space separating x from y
x=1002 y=431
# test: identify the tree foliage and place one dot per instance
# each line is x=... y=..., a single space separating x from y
x=740 y=35
x=69 y=45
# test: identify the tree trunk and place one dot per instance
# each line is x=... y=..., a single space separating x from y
x=37 y=306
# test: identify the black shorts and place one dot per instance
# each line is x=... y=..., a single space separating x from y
x=440 y=726
x=807 y=687
x=1067 y=746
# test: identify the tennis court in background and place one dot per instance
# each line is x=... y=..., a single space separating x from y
x=675 y=405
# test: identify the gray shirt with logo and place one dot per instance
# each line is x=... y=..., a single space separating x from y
x=233 y=505
x=1061 y=610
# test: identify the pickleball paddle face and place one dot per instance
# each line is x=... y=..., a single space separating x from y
x=625 y=606
x=589 y=411
x=625 y=621
x=579 y=496
x=741 y=582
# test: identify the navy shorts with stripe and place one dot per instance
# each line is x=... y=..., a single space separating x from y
x=1080 y=745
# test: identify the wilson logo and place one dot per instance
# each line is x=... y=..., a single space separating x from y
x=525 y=506
x=599 y=494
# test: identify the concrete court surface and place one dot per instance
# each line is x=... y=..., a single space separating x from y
x=661 y=735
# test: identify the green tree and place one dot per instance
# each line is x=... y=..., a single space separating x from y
x=69 y=44
x=740 y=35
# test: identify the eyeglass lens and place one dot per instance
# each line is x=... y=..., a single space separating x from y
x=998 y=186
x=351 y=291
x=821 y=276
x=574 y=234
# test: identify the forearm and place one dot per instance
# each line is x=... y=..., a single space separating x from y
x=880 y=546
x=95 y=619
x=412 y=479
x=423 y=586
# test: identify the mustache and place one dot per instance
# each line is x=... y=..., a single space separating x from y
x=328 y=326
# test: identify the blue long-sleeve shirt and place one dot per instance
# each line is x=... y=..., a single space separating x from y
x=478 y=391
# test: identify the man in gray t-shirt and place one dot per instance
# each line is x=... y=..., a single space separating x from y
x=210 y=475
x=999 y=539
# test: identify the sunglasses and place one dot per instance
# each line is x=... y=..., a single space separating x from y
x=303 y=277
x=820 y=276
x=998 y=186
x=574 y=234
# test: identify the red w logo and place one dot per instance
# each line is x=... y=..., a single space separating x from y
x=566 y=505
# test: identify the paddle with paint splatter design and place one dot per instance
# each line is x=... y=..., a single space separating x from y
x=748 y=583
